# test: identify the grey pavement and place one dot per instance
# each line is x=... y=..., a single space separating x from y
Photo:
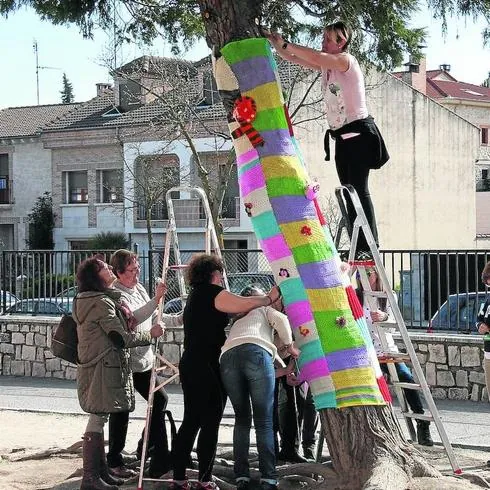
x=467 y=423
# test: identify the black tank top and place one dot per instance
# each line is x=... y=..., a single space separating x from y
x=204 y=325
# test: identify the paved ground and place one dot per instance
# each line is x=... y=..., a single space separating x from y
x=467 y=423
x=37 y=415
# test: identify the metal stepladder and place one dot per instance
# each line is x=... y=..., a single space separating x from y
x=347 y=195
x=161 y=366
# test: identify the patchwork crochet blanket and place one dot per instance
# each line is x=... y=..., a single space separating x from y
x=337 y=354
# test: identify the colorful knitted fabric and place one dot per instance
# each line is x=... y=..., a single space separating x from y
x=337 y=354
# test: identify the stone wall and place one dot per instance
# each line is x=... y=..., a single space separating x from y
x=452 y=363
x=25 y=343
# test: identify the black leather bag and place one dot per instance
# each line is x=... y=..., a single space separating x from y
x=64 y=342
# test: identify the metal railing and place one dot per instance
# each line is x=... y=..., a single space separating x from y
x=437 y=289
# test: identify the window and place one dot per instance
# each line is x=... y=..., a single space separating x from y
x=484 y=174
x=110 y=186
x=484 y=136
x=76 y=187
x=229 y=178
x=155 y=174
x=5 y=183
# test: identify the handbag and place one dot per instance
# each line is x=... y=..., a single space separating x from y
x=64 y=342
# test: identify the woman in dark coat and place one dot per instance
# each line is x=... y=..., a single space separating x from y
x=205 y=318
x=105 y=333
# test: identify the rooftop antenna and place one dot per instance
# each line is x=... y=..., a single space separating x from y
x=36 y=52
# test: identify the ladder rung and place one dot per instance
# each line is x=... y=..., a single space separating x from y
x=362 y=263
x=375 y=294
x=386 y=358
x=418 y=416
x=407 y=386
x=178 y=266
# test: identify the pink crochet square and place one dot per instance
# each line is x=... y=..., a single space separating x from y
x=275 y=248
x=299 y=313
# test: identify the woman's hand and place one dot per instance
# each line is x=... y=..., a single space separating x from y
x=379 y=316
x=156 y=330
x=293 y=351
x=275 y=39
x=160 y=291
x=274 y=294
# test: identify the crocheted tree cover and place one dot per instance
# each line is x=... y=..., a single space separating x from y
x=337 y=355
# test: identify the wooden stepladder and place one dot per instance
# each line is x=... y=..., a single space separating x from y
x=346 y=195
x=161 y=365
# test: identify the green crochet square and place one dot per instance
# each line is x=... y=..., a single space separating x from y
x=334 y=337
x=284 y=186
x=245 y=49
x=312 y=252
x=270 y=120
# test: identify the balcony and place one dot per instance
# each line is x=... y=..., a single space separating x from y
x=189 y=212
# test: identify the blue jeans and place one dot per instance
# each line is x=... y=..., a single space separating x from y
x=247 y=372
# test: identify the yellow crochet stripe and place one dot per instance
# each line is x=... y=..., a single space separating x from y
x=266 y=96
x=283 y=166
x=350 y=378
x=294 y=237
x=328 y=299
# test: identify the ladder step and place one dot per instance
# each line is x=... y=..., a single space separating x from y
x=387 y=358
x=407 y=386
x=375 y=294
x=418 y=416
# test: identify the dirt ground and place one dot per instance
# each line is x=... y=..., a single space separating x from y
x=42 y=451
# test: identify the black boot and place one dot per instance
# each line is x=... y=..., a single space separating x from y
x=104 y=469
x=291 y=456
x=423 y=433
x=91 y=463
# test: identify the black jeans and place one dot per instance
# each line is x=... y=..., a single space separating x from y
x=118 y=424
x=289 y=416
x=352 y=171
x=405 y=376
x=204 y=403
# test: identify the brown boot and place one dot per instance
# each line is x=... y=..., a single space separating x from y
x=104 y=469
x=91 y=463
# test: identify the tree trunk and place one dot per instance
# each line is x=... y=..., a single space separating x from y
x=367 y=447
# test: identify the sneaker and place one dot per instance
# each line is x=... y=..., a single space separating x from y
x=309 y=453
x=122 y=472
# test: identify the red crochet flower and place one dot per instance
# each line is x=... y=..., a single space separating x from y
x=245 y=109
x=306 y=230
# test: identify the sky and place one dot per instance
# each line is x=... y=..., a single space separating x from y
x=63 y=50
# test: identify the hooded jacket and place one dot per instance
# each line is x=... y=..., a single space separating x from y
x=104 y=378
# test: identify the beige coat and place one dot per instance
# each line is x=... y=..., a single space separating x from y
x=104 y=378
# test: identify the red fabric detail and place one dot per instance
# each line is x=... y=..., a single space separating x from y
x=383 y=388
x=288 y=120
x=354 y=304
x=321 y=218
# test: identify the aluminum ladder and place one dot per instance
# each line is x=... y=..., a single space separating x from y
x=161 y=365
x=345 y=195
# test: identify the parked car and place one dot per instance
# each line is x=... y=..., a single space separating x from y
x=68 y=292
x=41 y=306
x=237 y=281
x=10 y=299
x=459 y=313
